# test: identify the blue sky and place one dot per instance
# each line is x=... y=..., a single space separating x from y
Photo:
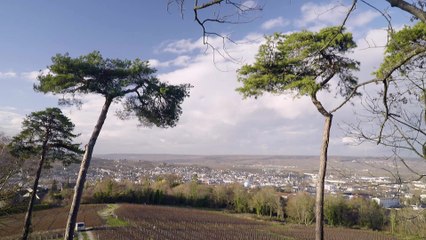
x=216 y=120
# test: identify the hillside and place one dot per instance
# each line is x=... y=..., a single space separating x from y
x=349 y=165
x=138 y=222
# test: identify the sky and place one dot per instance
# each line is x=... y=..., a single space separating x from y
x=216 y=119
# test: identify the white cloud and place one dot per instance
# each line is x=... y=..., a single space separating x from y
x=369 y=51
x=349 y=140
x=319 y=15
x=363 y=18
x=274 y=23
x=10 y=121
x=154 y=63
x=316 y=16
x=7 y=75
x=32 y=76
x=180 y=61
x=179 y=47
x=247 y=5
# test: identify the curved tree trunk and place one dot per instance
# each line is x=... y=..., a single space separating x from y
x=27 y=221
x=409 y=8
x=81 y=179
x=319 y=201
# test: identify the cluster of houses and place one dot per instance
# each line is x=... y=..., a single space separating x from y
x=381 y=189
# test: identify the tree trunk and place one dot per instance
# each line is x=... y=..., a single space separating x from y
x=81 y=179
x=409 y=8
x=319 y=201
x=27 y=222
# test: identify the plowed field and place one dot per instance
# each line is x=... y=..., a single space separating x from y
x=50 y=219
x=156 y=222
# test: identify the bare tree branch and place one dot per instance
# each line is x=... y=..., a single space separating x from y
x=386 y=77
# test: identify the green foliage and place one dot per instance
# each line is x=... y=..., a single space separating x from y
x=265 y=202
x=302 y=62
x=221 y=196
x=338 y=212
x=47 y=130
x=146 y=98
x=369 y=214
x=407 y=48
x=408 y=223
x=240 y=200
x=92 y=74
x=300 y=208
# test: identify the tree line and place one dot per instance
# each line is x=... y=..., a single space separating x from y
x=265 y=202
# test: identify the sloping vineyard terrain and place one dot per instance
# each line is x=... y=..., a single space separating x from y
x=157 y=222
x=171 y=223
x=48 y=220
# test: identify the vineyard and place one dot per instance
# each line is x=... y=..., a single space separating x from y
x=301 y=232
x=147 y=222
x=155 y=222
x=50 y=222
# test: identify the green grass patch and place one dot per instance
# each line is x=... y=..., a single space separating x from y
x=112 y=220
x=116 y=222
x=85 y=236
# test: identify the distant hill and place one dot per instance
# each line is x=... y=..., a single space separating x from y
x=337 y=164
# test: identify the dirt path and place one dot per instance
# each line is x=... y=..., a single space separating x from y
x=108 y=211
x=86 y=235
x=90 y=235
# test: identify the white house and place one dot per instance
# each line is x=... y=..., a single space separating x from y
x=387 y=202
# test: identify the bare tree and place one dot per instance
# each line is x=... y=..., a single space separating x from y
x=10 y=169
x=398 y=122
x=207 y=13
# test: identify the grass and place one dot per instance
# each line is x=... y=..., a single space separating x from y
x=116 y=222
x=112 y=220
x=85 y=236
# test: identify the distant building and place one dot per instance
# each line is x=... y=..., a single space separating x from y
x=419 y=207
x=311 y=189
x=330 y=187
x=247 y=184
x=387 y=202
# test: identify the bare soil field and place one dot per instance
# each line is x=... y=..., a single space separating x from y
x=157 y=222
x=170 y=223
x=49 y=220
x=301 y=232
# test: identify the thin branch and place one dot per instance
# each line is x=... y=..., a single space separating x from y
x=206 y=5
x=407 y=140
x=409 y=125
x=385 y=15
x=385 y=103
x=386 y=76
x=342 y=26
x=353 y=93
x=408 y=167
